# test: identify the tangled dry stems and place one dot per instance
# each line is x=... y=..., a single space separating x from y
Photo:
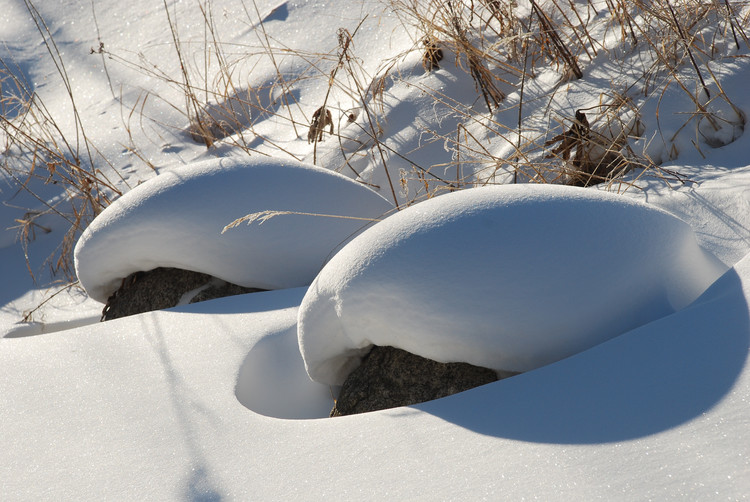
x=502 y=45
x=521 y=42
x=36 y=151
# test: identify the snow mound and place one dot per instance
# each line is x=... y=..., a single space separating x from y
x=272 y=380
x=176 y=219
x=508 y=277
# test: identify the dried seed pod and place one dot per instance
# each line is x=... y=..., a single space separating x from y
x=321 y=119
x=431 y=56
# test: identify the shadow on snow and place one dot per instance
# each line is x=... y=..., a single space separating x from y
x=648 y=380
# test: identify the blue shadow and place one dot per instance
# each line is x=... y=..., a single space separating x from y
x=648 y=380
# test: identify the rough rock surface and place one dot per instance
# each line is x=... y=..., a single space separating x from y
x=163 y=288
x=389 y=377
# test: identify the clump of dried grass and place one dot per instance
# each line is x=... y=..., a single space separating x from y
x=507 y=44
x=37 y=151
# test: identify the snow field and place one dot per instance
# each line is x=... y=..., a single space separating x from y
x=143 y=407
x=194 y=403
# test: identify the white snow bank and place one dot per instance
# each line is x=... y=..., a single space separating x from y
x=145 y=408
x=510 y=278
x=176 y=219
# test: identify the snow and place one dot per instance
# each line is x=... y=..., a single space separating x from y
x=414 y=116
x=509 y=277
x=176 y=220
x=212 y=401
x=147 y=407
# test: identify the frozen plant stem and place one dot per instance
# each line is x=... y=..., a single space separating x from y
x=345 y=41
x=520 y=103
x=262 y=216
x=279 y=75
x=549 y=29
x=730 y=16
x=687 y=48
x=191 y=102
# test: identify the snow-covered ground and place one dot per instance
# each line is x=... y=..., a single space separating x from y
x=213 y=401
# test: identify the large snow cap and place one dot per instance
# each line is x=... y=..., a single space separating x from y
x=176 y=219
x=509 y=277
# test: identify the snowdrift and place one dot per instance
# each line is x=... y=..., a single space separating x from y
x=510 y=278
x=176 y=219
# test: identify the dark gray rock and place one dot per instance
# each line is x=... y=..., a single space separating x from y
x=389 y=377
x=162 y=288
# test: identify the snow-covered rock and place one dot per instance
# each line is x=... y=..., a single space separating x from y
x=509 y=277
x=176 y=220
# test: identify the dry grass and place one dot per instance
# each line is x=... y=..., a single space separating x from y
x=36 y=151
x=503 y=46
x=509 y=44
x=263 y=216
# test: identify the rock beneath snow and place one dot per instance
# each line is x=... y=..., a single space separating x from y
x=509 y=278
x=162 y=288
x=389 y=377
x=176 y=220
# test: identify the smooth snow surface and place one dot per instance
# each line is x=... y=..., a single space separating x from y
x=510 y=278
x=176 y=219
x=146 y=408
